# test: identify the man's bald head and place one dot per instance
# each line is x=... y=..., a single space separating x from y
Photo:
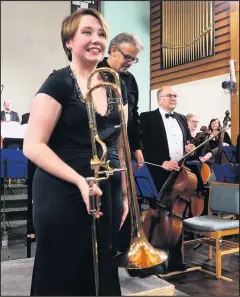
x=7 y=105
x=167 y=98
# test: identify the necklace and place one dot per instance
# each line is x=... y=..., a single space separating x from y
x=108 y=90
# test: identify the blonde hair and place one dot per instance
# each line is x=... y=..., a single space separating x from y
x=70 y=25
x=189 y=116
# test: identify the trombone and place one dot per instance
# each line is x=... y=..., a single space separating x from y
x=140 y=255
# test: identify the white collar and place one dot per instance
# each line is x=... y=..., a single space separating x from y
x=163 y=112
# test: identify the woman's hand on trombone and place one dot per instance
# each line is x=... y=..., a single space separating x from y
x=84 y=189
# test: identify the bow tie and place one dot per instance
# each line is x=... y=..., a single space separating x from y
x=7 y=112
x=167 y=115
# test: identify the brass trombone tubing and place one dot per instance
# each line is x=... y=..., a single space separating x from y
x=141 y=254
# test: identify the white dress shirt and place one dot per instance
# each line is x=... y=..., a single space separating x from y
x=7 y=116
x=174 y=136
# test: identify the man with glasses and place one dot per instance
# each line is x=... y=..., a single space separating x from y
x=166 y=138
x=123 y=51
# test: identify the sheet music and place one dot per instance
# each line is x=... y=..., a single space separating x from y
x=12 y=130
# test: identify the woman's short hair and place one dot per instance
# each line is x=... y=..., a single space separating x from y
x=126 y=38
x=70 y=25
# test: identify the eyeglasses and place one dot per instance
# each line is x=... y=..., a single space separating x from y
x=129 y=58
x=170 y=96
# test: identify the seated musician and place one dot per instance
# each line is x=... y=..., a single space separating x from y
x=165 y=137
x=192 y=121
x=204 y=154
x=214 y=127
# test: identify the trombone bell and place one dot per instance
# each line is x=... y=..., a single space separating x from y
x=140 y=255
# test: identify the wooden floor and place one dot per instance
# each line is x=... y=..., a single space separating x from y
x=197 y=283
x=192 y=283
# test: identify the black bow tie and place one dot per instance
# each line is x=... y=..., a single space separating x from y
x=167 y=115
x=7 y=112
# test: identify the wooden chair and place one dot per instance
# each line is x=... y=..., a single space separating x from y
x=223 y=200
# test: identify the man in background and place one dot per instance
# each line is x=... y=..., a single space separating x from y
x=166 y=138
x=7 y=114
x=123 y=51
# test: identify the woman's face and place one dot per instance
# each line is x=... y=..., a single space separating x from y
x=89 y=42
x=215 y=125
x=193 y=123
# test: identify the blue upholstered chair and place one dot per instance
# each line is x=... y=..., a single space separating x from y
x=223 y=200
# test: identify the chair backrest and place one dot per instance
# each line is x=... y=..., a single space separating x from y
x=224 y=198
x=211 y=179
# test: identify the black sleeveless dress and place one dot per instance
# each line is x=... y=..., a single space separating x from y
x=64 y=259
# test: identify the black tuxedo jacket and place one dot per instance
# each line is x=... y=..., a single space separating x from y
x=13 y=116
x=25 y=118
x=155 y=144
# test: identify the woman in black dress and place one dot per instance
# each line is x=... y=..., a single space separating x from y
x=214 y=127
x=57 y=140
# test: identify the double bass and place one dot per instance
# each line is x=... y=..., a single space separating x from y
x=163 y=225
x=226 y=120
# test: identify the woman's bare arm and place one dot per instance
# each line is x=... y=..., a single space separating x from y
x=44 y=115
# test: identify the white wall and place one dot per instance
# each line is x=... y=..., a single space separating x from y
x=30 y=47
x=133 y=17
x=204 y=97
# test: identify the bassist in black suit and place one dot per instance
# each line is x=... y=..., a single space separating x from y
x=166 y=138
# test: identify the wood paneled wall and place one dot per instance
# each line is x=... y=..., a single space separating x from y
x=206 y=67
x=234 y=26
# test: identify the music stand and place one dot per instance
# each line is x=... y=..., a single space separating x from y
x=226 y=173
x=13 y=165
x=12 y=143
x=230 y=153
x=145 y=187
